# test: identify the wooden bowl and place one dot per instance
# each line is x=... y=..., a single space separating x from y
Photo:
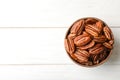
x=73 y=58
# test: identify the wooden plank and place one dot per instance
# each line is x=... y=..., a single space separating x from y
x=59 y=72
x=32 y=46
x=40 y=46
x=56 y=13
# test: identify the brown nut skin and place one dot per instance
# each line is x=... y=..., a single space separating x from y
x=69 y=45
x=97 y=49
x=100 y=39
x=91 y=31
x=108 y=45
x=97 y=31
x=90 y=21
x=107 y=32
x=99 y=25
x=82 y=40
x=77 y=27
x=82 y=57
x=91 y=44
x=83 y=53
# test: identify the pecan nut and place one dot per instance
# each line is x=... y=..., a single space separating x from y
x=77 y=27
x=89 y=29
x=97 y=49
x=111 y=42
x=69 y=45
x=102 y=56
x=72 y=36
x=90 y=21
x=91 y=44
x=80 y=58
x=100 y=39
x=107 y=45
x=107 y=33
x=81 y=40
x=85 y=34
x=94 y=28
x=83 y=53
x=99 y=25
x=95 y=59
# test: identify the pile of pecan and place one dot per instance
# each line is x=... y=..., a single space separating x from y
x=89 y=41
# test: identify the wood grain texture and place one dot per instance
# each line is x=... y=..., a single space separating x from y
x=56 y=13
x=35 y=46
x=58 y=72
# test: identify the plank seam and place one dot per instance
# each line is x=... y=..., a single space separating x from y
x=42 y=64
x=52 y=27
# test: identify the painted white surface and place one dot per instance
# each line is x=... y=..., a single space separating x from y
x=38 y=53
x=56 y=13
x=58 y=72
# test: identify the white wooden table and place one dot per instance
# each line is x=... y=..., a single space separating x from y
x=32 y=39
